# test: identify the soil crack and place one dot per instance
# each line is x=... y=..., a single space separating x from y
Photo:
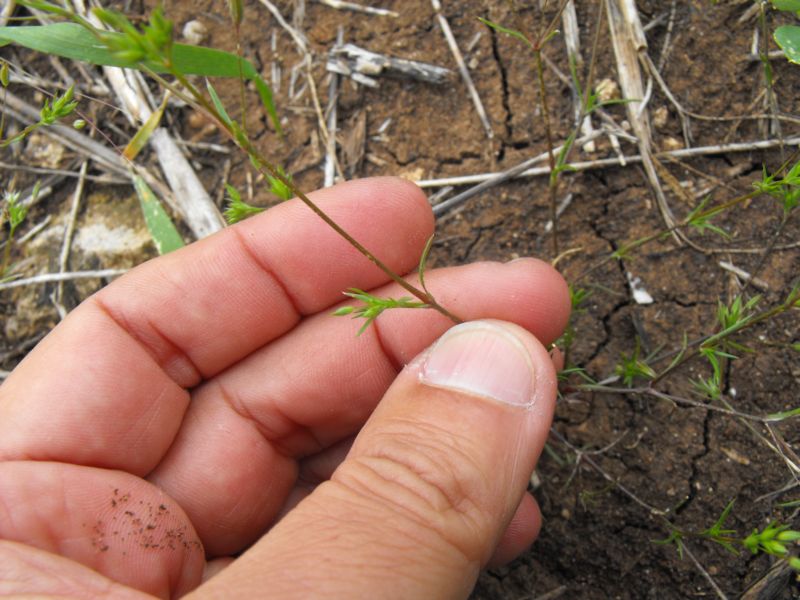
x=505 y=95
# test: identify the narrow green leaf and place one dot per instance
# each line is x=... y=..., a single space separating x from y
x=512 y=32
x=265 y=93
x=238 y=209
x=142 y=136
x=4 y=74
x=782 y=416
x=236 y=10
x=73 y=41
x=161 y=228
x=423 y=263
x=550 y=36
x=788 y=536
x=218 y=103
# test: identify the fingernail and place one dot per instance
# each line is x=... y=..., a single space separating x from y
x=483 y=359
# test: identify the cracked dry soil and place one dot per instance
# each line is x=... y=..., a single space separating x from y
x=597 y=542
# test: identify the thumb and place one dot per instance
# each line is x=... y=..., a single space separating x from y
x=430 y=484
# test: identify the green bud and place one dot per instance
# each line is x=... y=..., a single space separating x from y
x=345 y=310
x=788 y=536
x=794 y=562
x=774 y=547
x=236 y=10
x=278 y=187
x=751 y=542
x=78 y=124
x=4 y=74
x=769 y=532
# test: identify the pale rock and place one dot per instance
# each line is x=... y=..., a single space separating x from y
x=42 y=151
x=670 y=144
x=660 y=116
x=195 y=32
x=607 y=89
x=413 y=174
x=110 y=233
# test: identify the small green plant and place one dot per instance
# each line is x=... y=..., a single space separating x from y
x=786 y=188
x=536 y=46
x=578 y=297
x=237 y=209
x=774 y=539
x=51 y=111
x=281 y=187
x=373 y=306
x=12 y=214
x=634 y=367
x=720 y=347
x=700 y=220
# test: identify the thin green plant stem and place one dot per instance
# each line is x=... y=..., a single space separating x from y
x=553 y=181
x=551 y=26
x=767 y=251
x=6 y=255
x=772 y=102
x=710 y=212
x=690 y=351
x=242 y=98
x=660 y=234
x=726 y=409
x=265 y=167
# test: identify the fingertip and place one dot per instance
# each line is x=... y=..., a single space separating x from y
x=558 y=358
x=548 y=304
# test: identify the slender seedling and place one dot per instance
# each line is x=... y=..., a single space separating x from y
x=774 y=540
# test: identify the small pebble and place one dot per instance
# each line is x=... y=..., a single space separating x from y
x=607 y=89
x=670 y=144
x=195 y=32
x=660 y=116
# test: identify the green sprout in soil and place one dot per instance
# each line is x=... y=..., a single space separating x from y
x=786 y=189
x=12 y=214
x=634 y=367
x=775 y=539
x=536 y=47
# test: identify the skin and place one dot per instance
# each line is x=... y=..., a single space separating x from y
x=206 y=405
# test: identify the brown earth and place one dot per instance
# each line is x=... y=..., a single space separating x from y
x=687 y=463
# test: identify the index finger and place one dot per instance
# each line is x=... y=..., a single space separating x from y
x=108 y=386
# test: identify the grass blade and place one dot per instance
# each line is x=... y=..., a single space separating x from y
x=142 y=136
x=160 y=226
x=218 y=103
x=508 y=31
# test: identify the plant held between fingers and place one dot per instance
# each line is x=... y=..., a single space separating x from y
x=153 y=51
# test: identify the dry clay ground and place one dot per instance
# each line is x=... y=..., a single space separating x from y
x=620 y=467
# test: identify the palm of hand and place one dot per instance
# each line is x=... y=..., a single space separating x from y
x=178 y=413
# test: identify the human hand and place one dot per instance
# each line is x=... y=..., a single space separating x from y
x=192 y=410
